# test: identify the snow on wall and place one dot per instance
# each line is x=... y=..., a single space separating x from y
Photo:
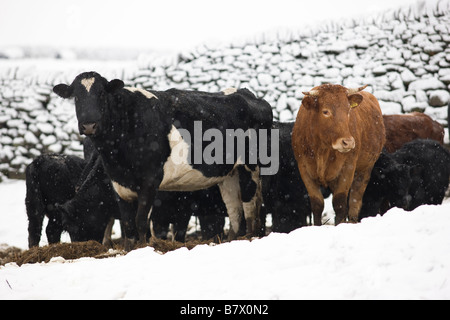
x=403 y=56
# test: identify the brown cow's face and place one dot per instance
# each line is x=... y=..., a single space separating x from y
x=332 y=106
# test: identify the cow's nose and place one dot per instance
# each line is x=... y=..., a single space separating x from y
x=344 y=144
x=348 y=143
x=89 y=128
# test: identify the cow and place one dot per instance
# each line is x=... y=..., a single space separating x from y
x=90 y=213
x=402 y=128
x=337 y=137
x=51 y=180
x=211 y=214
x=284 y=194
x=431 y=178
x=144 y=140
x=416 y=174
x=388 y=187
x=178 y=207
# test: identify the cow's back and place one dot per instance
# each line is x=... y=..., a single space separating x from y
x=401 y=129
x=218 y=110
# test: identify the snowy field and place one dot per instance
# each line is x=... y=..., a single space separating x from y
x=402 y=255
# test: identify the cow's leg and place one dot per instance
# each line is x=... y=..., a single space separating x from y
x=159 y=228
x=340 y=206
x=340 y=188
x=356 y=194
x=34 y=228
x=54 y=230
x=250 y=185
x=145 y=202
x=230 y=191
x=180 y=227
x=317 y=205
x=128 y=224
x=340 y=201
x=212 y=226
x=315 y=197
x=107 y=240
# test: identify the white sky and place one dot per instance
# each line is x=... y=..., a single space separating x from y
x=164 y=25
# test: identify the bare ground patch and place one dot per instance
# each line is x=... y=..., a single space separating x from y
x=92 y=249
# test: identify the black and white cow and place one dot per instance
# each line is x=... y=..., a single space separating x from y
x=51 y=180
x=144 y=140
x=95 y=199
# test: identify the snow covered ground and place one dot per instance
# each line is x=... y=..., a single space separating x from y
x=402 y=255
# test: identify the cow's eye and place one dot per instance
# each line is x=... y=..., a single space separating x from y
x=326 y=113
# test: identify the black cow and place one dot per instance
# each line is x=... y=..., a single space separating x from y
x=284 y=194
x=144 y=140
x=178 y=207
x=416 y=174
x=432 y=179
x=90 y=214
x=389 y=186
x=51 y=181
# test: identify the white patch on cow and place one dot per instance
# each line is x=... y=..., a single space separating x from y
x=231 y=196
x=229 y=91
x=146 y=93
x=87 y=83
x=125 y=193
x=179 y=175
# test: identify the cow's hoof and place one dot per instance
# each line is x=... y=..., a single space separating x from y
x=129 y=244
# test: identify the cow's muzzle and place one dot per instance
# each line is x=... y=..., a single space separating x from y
x=344 y=144
x=88 y=128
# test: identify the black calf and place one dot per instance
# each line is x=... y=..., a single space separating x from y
x=50 y=181
x=87 y=215
x=178 y=207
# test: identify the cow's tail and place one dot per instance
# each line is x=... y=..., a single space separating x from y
x=34 y=203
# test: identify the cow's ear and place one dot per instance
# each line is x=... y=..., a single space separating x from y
x=114 y=85
x=309 y=102
x=355 y=100
x=63 y=90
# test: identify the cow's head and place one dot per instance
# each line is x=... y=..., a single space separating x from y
x=331 y=106
x=92 y=94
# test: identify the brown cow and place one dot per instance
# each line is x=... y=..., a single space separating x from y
x=403 y=128
x=337 y=137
